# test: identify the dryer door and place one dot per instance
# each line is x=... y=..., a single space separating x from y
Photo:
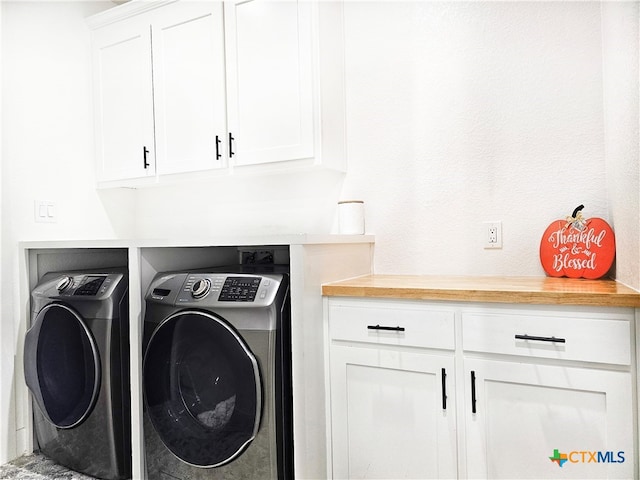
x=202 y=388
x=62 y=365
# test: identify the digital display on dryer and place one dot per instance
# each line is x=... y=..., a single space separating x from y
x=239 y=289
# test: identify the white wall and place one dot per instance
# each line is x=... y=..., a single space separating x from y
x=461 y=113
x=6 y=337
x=48 y=128
x=621 y=73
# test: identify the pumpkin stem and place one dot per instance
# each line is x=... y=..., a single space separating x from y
x=575 y=212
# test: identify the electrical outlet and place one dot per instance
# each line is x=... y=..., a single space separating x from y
x=257 y=257
x=492 y=234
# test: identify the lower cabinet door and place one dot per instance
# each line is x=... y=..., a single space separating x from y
x=542 y=421
x=393 y=414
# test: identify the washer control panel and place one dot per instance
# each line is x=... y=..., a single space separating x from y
x=211 y=289
x=91 y=286
x=75 y=284
x=240 y=289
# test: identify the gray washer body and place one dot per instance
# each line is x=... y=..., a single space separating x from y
x=253 y=327
x=76 y=363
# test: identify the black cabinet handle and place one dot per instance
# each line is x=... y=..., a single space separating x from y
x=218 y=142
x=473 y=391
x=382 y=327
x=231 y=139
x=145 y=152
x=540 y=339
x=444 y=389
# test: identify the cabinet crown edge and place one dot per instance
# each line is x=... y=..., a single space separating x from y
x=123 y=11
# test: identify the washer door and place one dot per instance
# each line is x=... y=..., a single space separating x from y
x=62 y=366
x=202 y=388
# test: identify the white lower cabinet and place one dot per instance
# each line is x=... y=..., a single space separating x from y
x=434 y=390
x=528 y=414
x=546 y=384
x=392 y=404
x=393 y=414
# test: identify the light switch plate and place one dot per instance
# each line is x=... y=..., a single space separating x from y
x=45 y=211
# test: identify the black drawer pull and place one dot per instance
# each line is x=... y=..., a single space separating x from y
x=382 y=327
x=473 y=392
x=231 y=139
x=444 y=389
x=145 y=152
x=218 y=142
x=540 y=339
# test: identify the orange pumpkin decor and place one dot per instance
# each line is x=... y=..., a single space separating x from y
x=578 y=247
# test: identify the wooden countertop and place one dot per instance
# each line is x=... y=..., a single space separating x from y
x=529 y=290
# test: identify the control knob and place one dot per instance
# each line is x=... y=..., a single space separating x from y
x=64 y=283
x=201 y=288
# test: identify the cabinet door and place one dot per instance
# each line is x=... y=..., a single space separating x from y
x=392 y=414
x=269 y=80
x=189 y=86
x=540 y=421
x=123 y=101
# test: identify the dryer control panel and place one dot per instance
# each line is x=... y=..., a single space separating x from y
x=215 y=289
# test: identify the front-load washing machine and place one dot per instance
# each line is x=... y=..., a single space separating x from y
x=76 y=365
x=217 y=376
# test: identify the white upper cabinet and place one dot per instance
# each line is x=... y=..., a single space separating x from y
x=189 y=87
x=186 y=86
x=123 y=101
x=269 y=80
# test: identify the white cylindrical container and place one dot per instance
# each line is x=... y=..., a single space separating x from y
x=351 y=217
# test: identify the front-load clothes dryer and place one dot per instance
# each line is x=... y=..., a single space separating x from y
x=217 y=377
x=76 y=365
